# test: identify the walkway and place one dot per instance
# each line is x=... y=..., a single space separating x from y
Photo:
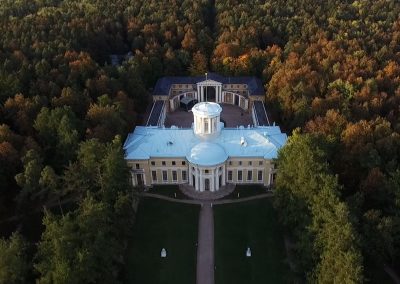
x=190 y=192
x=205 y=248
x=199 y=202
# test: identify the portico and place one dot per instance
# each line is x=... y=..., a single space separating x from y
x=202 y=94
x=207 y=178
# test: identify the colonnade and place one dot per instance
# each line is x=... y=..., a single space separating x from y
x=198 y=177
x=201 y=92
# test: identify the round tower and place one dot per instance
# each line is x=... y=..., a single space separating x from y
x=207 y=119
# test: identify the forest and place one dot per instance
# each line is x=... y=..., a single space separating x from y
x=331 y=71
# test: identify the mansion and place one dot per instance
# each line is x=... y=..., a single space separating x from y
x=206 y=156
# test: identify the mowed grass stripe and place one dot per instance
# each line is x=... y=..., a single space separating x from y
x=165 y=224
x=253 y=224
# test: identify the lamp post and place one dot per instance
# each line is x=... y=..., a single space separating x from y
x=206 y=88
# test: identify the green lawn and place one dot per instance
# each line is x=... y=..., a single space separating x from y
x=246 y=191
x=168 y=190
x=253 y=224
x=163 y=224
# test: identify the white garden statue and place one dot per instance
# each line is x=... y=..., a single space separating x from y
x=163 y=252
x=248 y=252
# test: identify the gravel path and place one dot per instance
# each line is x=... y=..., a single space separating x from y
x=205 y=248
x=199 y=202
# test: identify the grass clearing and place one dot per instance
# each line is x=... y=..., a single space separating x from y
x=246 y=190
x=163 y=224
x=172 y=191
x=254 y=224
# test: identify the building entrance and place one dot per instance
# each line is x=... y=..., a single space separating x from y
x=206 y=184
x=139 y=179
x=210 y=94
x=237 y=100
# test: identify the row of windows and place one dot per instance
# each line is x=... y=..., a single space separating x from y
x=250 y=163
x=180 y=86
x=234 y=86
x=165 y=175
x=249 y=175
x=164 y=163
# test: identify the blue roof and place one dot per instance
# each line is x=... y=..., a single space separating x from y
x=156 y=142
x=255 y=85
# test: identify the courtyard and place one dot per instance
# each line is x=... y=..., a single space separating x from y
x=231 y=115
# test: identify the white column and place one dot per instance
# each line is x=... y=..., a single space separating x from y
x=201 y=180
x=196 y=178
x=269 y=176
x=216 y=177
x=198 y=93
x=219 y=93
x=212 y=181
x=202 y=94
x=223 y=175
x=133 y=179
x=190 y=177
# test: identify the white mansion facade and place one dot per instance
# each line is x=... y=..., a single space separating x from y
x=206 y=156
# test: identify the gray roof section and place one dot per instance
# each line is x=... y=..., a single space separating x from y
x=254 y=84
x=261 y=113
x=155 y=113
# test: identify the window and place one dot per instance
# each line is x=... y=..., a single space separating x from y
x=173 y=163
x=230 y=163
x=153 y=163
x=229 y=175
x=206 y=171
x=174 y=176
x=249 y=175
x=184 y=177
x=260 y=175
x=137 y=166
x=163 y=163
x=260 y=163
x=240 y=163
x=240 y=175
x=164 y=175
x=250 y=163
x=154 y=175
x=205 y=126
x=183 y=163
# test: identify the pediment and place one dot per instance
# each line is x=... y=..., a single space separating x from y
x=209 y=82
